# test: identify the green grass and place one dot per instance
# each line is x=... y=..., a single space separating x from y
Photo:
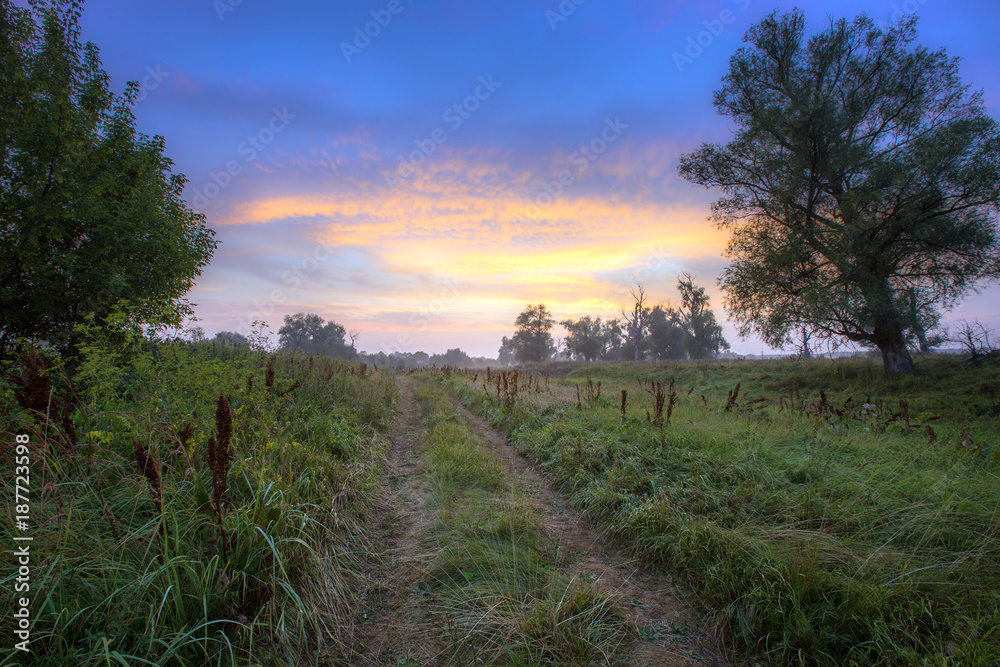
x=499 y=581
x=118 y=579
x=865 y=537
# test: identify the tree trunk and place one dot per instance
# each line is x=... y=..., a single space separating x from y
x=896 y=359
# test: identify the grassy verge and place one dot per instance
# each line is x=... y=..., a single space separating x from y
x=194 y=504
x=831 y=517
x=499 y=581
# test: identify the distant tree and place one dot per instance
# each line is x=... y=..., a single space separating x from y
x=636 y=323
x=614 y=340
x=505 y=355
x=308 y=333
x=802 y=344
x=231 y=338
x=532 y=339
x=924 y=323
x=667 y=333
x=704 y=335
x=453 y=357
x=91 y=218
x=864 y=178
x=195 y=333
x=586 y=338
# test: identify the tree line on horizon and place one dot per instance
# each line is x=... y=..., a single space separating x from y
x=644 y=331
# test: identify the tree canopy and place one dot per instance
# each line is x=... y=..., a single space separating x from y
x=702 y=334
x=861 y=186
x=91 y=218
x=587 y=338
x=532 y=339
x=505 y=355
x=308 y=333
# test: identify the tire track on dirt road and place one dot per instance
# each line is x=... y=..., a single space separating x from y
x=668 y=629
x=394 y=628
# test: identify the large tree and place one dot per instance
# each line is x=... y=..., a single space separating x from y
x=863 y=178
x=91 y=218
x=532 y=339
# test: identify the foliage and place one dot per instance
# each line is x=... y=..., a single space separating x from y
x=91 y=219
x=702 y=334
x=231 y=338
x=505 y=355
x=861 y=186
x=195 y=503
x=587 y=338
x=452 y=357
x=666 y=333
x=532 y=339
x=308 y=333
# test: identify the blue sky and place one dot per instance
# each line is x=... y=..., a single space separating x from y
x=373 y=179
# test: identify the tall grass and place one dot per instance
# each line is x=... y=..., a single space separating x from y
x=824 y=530
x=151 y=549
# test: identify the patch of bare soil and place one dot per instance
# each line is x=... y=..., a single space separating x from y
x=668 y=632
x=394 y=627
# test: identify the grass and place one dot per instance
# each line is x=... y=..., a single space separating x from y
x=146 y=564
x=823 y=530
x=499 y=582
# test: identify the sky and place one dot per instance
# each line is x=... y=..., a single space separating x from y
x=419 y=171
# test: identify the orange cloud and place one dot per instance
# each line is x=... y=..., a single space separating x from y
x=479 y=220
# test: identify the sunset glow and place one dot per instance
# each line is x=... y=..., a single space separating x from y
x=422 y=188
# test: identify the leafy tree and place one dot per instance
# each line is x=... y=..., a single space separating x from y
x=666 y=333
x=703 y=335
x=308 y=333
x=862 y=172
x=231 y=338
x=505 y=355
x=614 y=341
x=453 y=357
x=91 y=219
x=532 y=339
x=587 y=338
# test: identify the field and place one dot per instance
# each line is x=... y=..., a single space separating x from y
x=825 y=516
x=209 y=504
